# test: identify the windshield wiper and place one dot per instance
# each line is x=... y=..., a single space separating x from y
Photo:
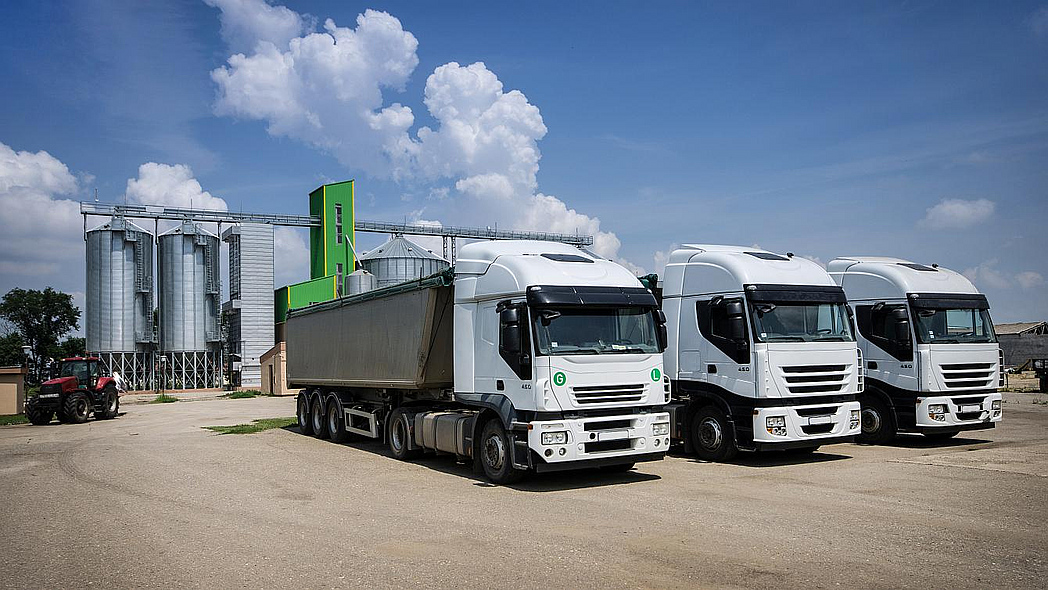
x=832 y=338
x=575 y=351
x=785 y=339
x=944 y=341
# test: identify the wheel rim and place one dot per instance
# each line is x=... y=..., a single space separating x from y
x=871 y=421
x=302 y=414
x=318 y=417
x=81 y=407
x=710 y=434
x=333 y=418
x=112 y=404
x=398 y=435
x=494 y=452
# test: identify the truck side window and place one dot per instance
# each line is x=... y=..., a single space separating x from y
x=715 y=327
x=878 y=326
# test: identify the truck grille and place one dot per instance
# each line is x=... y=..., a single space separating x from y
x=815 y=378
x=967 y=375
x=607 y=394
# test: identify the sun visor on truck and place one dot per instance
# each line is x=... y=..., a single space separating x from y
x=795 y=294
x=556 y=296
x=949 y=301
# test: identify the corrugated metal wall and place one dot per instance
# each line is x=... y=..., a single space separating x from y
x=251 y=296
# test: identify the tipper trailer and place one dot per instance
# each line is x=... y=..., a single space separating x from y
x=761 y=353
x=525 y=356
x=933 y=364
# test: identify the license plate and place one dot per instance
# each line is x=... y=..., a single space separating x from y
x=970 y=408
x=613 y=435
x=820 y=420
x=48 y=395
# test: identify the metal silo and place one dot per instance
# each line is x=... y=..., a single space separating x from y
x=119 y=300
x=360 y=281
x=400 y=260
x=189 y=290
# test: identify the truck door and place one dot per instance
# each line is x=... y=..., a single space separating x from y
x=887 y=344
x=727 y=360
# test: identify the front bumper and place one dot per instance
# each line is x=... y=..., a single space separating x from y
x=51 y=401
x=963 y=411
x=595 y=441
x=806 y=425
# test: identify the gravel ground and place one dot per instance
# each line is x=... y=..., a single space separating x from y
x=152 y=500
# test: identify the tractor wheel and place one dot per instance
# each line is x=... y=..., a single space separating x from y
x=111 y=404
x=37 y=415
x=76 y=408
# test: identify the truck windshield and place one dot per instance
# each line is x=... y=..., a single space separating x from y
x=954 y=326
x=801 y=322
x=562 y=331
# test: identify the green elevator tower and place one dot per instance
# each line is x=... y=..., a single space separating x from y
x=330 y=253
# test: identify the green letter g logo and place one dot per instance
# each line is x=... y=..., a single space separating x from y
x=559 y=379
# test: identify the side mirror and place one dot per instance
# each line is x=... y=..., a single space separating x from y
x=661 y=333
x=737 y=330
x=509 y=326
x=734 y=309
x=902 y=332
x=509 y=315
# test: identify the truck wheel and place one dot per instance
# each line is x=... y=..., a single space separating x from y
x=335 y=428
x=495 y=454
x=400 y=435
x=319 y=418
x=37 y=415
x=942 y=435
x=305 y=421
x=877 y=425
x=112 y=404
x=76 y=408
x=712 y=435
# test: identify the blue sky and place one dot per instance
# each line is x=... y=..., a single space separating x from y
x=915 y=129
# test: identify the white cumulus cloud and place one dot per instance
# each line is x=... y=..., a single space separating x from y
x=986 y=274
x=326 y=89
x=41 y=230
x=958 y=213
x=1029 y=279
x=245 y=23
x=170 y=185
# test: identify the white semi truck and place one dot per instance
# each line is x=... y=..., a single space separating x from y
x=526 y=356
x=933 y=364
x=761 y=353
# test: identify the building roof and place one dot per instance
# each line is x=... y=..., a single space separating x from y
x=1021 y=328
x=400 y=247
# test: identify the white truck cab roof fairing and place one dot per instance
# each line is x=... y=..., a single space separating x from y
x=873 y=277
x=696 y=269
x=493 y=269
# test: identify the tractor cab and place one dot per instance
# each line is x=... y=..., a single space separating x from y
x=82 y=388
x=85 y=370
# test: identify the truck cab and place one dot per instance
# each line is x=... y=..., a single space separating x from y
x=761 y=352
x=933 y=364
x=566 y=342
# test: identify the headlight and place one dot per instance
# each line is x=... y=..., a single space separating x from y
x=1038 y=364
x=853 y=419
x=995 y=404
x=776 y=425
x=554 y=438
x=660 y=428
x=937 y=409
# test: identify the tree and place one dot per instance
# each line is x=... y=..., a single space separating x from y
x=41 y=317
x=11 y=350
x=72 y=347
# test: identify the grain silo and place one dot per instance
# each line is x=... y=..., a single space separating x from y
x=118 y=323
x=359 y=281
x=189 y=289
x=400 y=260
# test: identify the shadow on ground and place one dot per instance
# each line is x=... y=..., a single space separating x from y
x=918 y=441
x=534 y=482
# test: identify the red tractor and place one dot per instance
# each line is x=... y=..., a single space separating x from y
x=79 y=391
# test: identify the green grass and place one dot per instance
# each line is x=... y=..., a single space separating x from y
x=16 y=419
x=31 y=391
x=164 y=398
x=255 y=426
x=245 y=394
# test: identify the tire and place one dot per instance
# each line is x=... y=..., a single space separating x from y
x=941 y=435
x=495 y=454
x=305 y=421
x=878 y=425
x=111 y=405
x=76 y=408
x=712 y=435
x=335 y=426
x=319 y=417
x=37 y=416
x=399 y=433
x=620 y=468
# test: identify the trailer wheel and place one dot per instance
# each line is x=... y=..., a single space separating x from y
x=335 y=427
x=400 y=435
x=941 y=435
x=877 y=425
x=112 y=404
x=37 y=415
x=77 y=408
x=495 y=454
x=712 y=436
x=305 y=421
x=319 y=417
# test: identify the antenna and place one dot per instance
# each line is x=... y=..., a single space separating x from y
x=96 y=194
